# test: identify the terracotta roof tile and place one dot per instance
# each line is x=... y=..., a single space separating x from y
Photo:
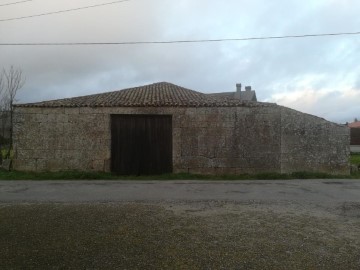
x=354 y=124
x=161 y=94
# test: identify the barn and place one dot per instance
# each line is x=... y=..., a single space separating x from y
x=164 y=128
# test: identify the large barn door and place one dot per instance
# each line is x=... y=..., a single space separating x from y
x=141 y=144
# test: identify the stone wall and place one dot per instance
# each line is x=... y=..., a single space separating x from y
x=228 y=140
x=210 y=140
x=52 y=139
x=310 y=143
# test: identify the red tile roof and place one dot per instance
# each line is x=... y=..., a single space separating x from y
x=161 y=94
x=354 y=124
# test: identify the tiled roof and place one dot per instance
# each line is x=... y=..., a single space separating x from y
x=228 y=95
x=244 y=95
x=248 y=95
x=354 y=124
x=161 y=94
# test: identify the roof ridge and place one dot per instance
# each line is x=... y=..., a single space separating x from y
x=150 y=95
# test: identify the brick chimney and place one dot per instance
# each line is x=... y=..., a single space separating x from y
x=247 y=88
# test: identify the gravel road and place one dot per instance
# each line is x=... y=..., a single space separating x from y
x=244 y=233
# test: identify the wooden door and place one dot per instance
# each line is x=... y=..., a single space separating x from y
x=141 y=144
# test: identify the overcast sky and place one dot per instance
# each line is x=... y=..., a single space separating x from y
x=319 y=76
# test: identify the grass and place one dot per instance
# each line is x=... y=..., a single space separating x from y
x=355 y=158
x=4 y=151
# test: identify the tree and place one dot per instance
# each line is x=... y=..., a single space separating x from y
x=11 y=81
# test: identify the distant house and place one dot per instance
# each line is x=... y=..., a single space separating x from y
x=354 y=136
x=164 y=128
x=355 y=124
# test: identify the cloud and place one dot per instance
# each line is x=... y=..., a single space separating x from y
x=320 y=73
x=340 y=106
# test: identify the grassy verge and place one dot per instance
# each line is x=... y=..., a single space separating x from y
x=73 y=175
x=355 y=158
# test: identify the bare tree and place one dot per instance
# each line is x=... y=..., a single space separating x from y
x=11 y=80
x=3 y=113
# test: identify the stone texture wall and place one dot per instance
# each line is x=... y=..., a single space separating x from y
x=310 y=143
x=225 y=140
x=52 y=139
x=228 y=140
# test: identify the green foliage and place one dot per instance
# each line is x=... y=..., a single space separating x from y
x=355 y=158
x=5 y=151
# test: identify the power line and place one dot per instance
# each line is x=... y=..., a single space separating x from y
x=14 y=3
x=174 y=41
x=62 y=11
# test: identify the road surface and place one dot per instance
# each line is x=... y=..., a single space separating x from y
x=282 y=224
x=318 y=191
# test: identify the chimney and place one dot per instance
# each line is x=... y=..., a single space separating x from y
x=238 y=90
x=238 y=87
x=247 y=88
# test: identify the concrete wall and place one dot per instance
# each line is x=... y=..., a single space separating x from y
x=259 y=138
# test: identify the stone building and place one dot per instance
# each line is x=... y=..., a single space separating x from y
x=162 y=127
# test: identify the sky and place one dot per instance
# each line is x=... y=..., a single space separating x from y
x=320 y=76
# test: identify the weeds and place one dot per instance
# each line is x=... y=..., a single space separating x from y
x=355 y=158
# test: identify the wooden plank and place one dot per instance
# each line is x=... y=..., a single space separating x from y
x=141 y=144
